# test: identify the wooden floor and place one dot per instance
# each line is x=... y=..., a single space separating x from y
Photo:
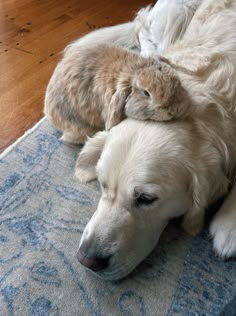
x=32 y=35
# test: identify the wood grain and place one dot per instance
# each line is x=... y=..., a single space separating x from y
x=32 y=35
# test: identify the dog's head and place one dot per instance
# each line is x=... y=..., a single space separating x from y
x=145 y=174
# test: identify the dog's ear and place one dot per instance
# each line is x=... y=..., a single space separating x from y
x=193 y=220
x=116 y=112
x=85 y=169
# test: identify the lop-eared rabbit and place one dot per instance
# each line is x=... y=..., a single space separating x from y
x=97 y=86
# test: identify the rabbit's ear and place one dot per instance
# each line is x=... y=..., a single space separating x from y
x=115 y=112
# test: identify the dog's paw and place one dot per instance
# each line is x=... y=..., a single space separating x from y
x=224 y=238
x=85 y=175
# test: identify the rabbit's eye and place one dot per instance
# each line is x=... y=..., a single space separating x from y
x=146 y=93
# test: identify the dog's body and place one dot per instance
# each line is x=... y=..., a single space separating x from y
x=152 y=172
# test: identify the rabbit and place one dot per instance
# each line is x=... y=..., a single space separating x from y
x=98 y=86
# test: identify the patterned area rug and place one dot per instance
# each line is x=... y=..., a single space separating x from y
x=42 y=214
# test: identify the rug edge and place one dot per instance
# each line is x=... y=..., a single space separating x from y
x=21 y=138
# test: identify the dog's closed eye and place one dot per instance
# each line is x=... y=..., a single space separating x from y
x=144 y=198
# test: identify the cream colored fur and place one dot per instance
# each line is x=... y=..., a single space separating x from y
x=152 y=172
x=163 y=24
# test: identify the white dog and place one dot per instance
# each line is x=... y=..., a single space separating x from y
x=152 y=172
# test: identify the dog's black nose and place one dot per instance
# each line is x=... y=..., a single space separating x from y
x=88 y=258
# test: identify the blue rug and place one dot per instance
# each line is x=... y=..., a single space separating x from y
x=43 y=210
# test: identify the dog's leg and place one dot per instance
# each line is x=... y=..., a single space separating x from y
x=85 y=169
x=223 y=227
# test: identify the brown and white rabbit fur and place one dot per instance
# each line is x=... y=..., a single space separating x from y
x=96 y=87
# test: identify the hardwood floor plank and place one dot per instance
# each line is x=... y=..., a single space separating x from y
x=33 y=34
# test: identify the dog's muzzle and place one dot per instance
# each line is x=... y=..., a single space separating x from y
x=91 y=259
